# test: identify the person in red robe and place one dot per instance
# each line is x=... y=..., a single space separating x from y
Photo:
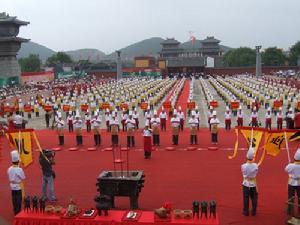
x=147 y=133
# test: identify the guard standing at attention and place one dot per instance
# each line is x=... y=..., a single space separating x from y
x=60 y=124
x=78 y=129
x=293 y=170
x=16 y=176
x=249 y=172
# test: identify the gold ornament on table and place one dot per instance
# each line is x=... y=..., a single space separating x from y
x=72 y=209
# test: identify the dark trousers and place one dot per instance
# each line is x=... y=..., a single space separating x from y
x=61 y=140
x=249 y=192
x=291 y=194
x=193 y=139
x=79 y=140
x=147 y=155
x=37 y=114
x=17 y=201
x=71 y=128
x=114 y=139
x=279 y=126
x=130 y=141
x=175 y=139
x=88 y=127
x=214 y=137
x=47 y=122
x=227 y=125
x=156 y=139
x=97 y=139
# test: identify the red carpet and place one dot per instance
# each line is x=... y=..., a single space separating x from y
x=175 y=176
x=183 y=98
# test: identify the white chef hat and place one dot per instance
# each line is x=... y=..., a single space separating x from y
x=130 y=113
x=269 y=109
x=227 y=108
x=193 y=113
x=210 y=107
x=155 y=113
x=214 y=113
x=297 y=154
x=15 y=156
x=240 y=107
x=175 y=112
x=250 y=153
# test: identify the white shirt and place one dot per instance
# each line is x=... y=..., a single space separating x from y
x=60 y=123
x=181 y=115
x=291 y=115
x=240 y=114
x=18 y=119
x=15 y=177
x=70 y=118
x=227 y=115
x=124 y=116
x=96 y=122
x=279 y=116
x=77 y=124
x=107 y=117
x=163 y=115
x=254 y=115
x=175 y=122
x=268 y=116
x=155 y=122
x=147 y=133
x=193 y=122
x=87 y=118
x=130 y=123
x=114 y=122
x=148 y=115
x=214 y=121
x=249 y=172
x=135 y=116
x=294 y=173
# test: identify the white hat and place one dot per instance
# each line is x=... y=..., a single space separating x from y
x=175 y=111
x=227 y=108
x=162 y=108
x=297 y=154
x=130 y=113
x=269 y=109
x=196 y=107
x=290 y=109
x=280 y=108
x=254 y=108
x=240 y=107
x=155 y=113
x=250 y=153
x=179 y=108
x=210 y=107
x=59 y=114
x=214 y=113
x=193 y=113
x=15 y=156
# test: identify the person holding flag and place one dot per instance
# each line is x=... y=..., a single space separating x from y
x=249 y=172
x=293 y=170
x=16 y=176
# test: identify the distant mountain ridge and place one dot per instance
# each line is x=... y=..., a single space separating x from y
x=147 y=47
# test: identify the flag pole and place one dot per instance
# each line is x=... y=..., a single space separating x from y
x=19 y=143
x=287 y=147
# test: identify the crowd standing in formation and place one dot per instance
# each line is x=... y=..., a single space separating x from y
x=128 y=104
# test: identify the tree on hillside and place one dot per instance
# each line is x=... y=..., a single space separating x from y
x=294 y=54
x=240 y=57
x=30 y=64
x=273 y=57
x=58 y=58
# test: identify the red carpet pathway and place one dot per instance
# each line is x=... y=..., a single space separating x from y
x=177 y=176
x=183 y=98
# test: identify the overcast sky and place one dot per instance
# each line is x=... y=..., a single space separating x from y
x=112 y=24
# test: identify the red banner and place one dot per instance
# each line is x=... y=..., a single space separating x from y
x=191 y=105
x=124 y=106
x=235 y=105
x=144 y=105
x=47 y=107
x=298 y=105
x=105 y=105
x=277 y=104
x=167 y=105
x=27 y=108
x=7 y=109
x=84 y=107
x=214 y=104
x=66 y=108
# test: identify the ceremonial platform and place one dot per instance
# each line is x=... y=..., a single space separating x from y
x=180 y=176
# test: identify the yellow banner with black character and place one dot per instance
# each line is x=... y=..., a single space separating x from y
x=253 y=137
x=277 y=140
x=21 y=140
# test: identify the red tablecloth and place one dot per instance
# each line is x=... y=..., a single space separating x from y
x=114 y=218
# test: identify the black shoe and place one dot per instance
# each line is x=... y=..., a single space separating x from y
x=246 y=213
x=253 y=213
